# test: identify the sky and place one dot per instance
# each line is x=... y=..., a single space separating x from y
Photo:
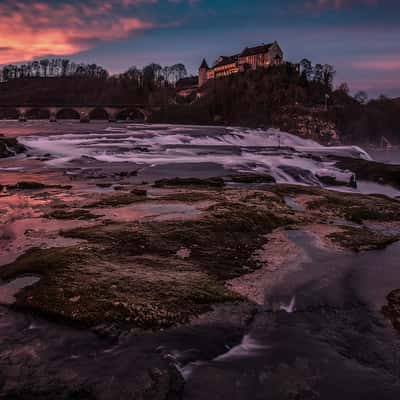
x=361 y=38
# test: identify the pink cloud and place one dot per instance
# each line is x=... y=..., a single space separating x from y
x=378 y=64
x=34 y=29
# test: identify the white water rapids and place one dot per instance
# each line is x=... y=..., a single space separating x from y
x=289 y=158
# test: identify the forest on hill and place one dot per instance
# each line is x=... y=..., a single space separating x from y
x=149 y=85
x=277 y=96
x=267 y=97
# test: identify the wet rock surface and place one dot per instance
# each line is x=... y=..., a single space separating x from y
x=372 y=171
x=10 y=147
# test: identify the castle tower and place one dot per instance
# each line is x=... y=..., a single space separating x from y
x=203 y=73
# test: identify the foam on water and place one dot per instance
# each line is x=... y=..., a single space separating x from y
x=289 y=158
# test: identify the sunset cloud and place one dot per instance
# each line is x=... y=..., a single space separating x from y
x=35 y=29
x=378 y=64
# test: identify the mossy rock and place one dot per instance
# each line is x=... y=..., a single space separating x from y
x=10 y=147
x=392 y=309
x=189 y=182
x=361 y=239
x=252 y=178
x=358 y=208
x=130 y=274
x=50 y=393
x=117 y=201
x=31 y=185
x=68 y=215
x=387 y=174
x=188 y=197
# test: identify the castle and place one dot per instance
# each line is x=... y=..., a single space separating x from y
x=250 y=58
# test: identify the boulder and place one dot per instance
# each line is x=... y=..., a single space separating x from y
x=10 y=147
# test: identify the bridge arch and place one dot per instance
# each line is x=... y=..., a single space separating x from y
x=131 y=114
x=9 y=113
x=37 y=113
x=68 y=113
x=99 y=113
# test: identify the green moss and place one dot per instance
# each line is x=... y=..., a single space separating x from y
x=296 y=190
x=358 y=208
x=190 y=197
x=81 y=286
x=131 y=273
x=235 y=229
x=188 y=182
x=139 y=192
x=75 y=214
x=44 y=261
x=29 y=185
x=116 y=201
x=359 y=239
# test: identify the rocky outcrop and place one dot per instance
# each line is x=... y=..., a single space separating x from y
x=10 y=147
x=308 y=124
x=392 y=309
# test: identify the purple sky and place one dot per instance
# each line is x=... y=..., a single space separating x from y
x=360 y=37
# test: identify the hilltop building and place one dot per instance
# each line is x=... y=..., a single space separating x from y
x=262 y=56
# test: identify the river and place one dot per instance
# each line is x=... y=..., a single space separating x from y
x=320 y=333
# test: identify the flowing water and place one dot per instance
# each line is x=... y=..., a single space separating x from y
x=328 y=341
x=154 y=149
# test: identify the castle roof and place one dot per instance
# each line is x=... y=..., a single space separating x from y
x=252 y=51
x=224 y=60
x=204 y=64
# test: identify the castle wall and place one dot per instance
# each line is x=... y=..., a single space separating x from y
x=261 y=60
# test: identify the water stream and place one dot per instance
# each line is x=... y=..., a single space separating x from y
x=328 y=341
x=320 y=334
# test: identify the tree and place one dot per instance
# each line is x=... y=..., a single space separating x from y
x=318 y=73
x=361 y=97
x=151 y=74
x=344 y=88
x=178 y=72
x=328 y=73
x=306 y=69
x=44 y=63
x=64 y=66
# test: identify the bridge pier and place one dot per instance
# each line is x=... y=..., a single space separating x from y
x=53 y=114
x=22 y=114
x=84 y=114
x=112 y=114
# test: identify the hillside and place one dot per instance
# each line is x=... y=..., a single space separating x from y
x=283 y=98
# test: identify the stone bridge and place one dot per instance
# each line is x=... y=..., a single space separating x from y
x=130 y=112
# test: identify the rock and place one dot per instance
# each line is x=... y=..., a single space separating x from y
x=183 y=253
x=252 y=178
x=392 y=309
x=10 y=147
x=206 y=182
x=332 y=181
x=139 y=192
